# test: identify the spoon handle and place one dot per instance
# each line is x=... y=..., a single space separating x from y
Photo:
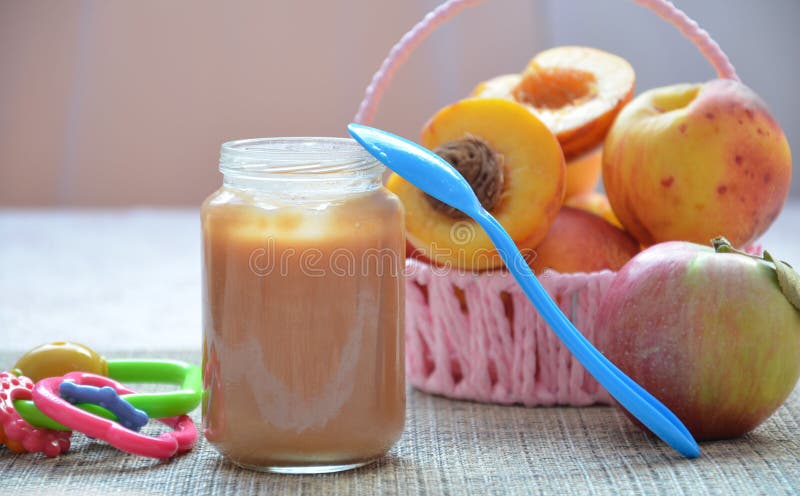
x=641 y=404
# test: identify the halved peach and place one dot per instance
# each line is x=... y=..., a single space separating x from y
x=577 y=92
x=513 y=163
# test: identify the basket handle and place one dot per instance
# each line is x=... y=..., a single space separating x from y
x=414 y=37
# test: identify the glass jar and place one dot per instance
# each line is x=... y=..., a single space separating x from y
x=303 y=303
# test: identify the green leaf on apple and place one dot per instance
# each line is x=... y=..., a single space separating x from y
x=788 y=278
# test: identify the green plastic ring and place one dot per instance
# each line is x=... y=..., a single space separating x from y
x=156 y=405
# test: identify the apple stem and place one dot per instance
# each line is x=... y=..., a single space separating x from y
x=722 y=245
x=788 y=279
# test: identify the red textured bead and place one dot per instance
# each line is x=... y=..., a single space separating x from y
x=16 y=432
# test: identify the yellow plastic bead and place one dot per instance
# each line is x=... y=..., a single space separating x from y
x=58 y=358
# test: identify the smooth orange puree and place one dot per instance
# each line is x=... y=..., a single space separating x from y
x=303 y=319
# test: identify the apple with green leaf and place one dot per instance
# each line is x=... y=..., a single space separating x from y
x=713 y=333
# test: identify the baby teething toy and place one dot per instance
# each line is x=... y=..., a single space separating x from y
x=59 y=358
x=41 y=416
x=17 y=434
x=47 y=398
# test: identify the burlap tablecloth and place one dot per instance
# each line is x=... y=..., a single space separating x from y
x=127 y=283
x=451 y=447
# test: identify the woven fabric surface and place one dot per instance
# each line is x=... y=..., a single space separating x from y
x=451 y=447
x=127 y=284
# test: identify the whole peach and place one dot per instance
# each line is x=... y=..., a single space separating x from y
x=695 y=161
x=579 y=241
x=596 y=203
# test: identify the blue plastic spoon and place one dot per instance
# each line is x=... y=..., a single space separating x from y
x=436 y=177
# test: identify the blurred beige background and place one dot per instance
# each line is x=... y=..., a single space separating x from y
x=123 y=102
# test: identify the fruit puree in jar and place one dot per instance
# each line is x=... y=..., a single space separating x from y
x=303 y=318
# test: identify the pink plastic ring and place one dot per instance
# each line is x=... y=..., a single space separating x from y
x=47 y=399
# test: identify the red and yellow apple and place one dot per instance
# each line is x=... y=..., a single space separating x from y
x=711 y=335
x=695 y=161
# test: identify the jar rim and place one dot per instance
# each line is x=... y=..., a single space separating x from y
x=297 y=157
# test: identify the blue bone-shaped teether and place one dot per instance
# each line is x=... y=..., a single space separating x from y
x=106 y=397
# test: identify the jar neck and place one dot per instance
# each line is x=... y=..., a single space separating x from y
x=299 y=168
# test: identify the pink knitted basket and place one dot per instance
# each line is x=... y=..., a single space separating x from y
x=476 y=336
